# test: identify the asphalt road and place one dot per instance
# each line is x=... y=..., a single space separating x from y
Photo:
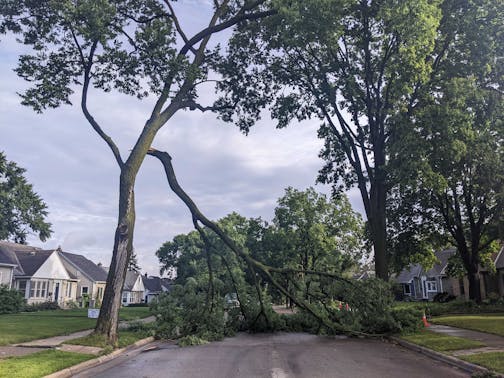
x=277 y=356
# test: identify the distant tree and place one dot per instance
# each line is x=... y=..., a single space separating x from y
x=22 y=211
x=317 y=233
x=133 y=263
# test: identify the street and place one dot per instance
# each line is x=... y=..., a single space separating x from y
x=281 y=355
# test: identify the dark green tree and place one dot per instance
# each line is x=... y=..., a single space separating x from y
x=317 y=234
x=134 y=47
x=451 y=187
x=355 y=65
x=133 y=263
x=22 y=211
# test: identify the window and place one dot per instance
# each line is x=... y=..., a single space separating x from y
x=85 y=290
x=38 y=289
x=69 y=289
x=125 y=297
x=22 y=287
x=407 y=289
x=432 y=286
x=100 y=293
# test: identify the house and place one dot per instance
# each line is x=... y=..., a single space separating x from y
x=493 y=282
x=8 y=263
x=91 y=278
x=420 y=284
x=155 y=286
x=42 y=277
x=133 y=289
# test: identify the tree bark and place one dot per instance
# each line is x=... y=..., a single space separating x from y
x=108 y=319
x=474 y=286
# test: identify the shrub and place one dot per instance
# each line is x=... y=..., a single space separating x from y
x=44 y=306
x=138 y=305
x=408 y=320
x=443 y=297
x=11 y=300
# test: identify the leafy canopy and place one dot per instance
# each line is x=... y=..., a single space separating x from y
x=22 y=211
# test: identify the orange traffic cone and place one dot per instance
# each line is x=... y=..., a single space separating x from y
x=340 y=306
x=424 y=320
x=347 y=307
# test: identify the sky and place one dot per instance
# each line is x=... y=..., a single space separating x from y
x=76 y=175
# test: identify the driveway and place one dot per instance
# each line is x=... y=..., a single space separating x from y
x=278 y=355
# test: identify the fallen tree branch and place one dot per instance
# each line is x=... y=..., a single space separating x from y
x=165 y=159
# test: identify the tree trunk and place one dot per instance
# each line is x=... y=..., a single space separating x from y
x=108 y=320
x=474 y=285
x=378 y=224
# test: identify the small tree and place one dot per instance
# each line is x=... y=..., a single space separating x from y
x=21 y=209
x=133 y=263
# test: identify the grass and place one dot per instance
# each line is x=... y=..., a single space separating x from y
x=490 y=323
x=40 y=364
x=125 y=338
x=491 y=360
x=441 y=343
x=18 y=328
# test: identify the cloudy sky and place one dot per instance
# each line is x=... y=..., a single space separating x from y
x=75 y=173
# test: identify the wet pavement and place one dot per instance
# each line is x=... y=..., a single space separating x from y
x=276 y=355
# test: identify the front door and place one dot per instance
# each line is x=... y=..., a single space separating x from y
x=56 y=292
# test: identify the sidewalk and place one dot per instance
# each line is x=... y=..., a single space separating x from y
x=494 y=343
x=34 y=346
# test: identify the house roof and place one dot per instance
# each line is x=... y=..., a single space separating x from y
x=32 y=260
x=499 y=261
x=442 y=256
x=7 y=255
x=130 y=280
x=152 y=283
x=408 y=274
x=437 y=269
x=89 y=268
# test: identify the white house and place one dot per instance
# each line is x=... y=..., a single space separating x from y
x=42 y=277
x=155 y=286
x=133 y=289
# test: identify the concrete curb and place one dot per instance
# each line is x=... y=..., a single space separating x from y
x=72 y=370
x=453 y=361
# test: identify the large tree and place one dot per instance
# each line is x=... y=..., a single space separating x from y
x=135 y=47
x=22 y=211
x=355 y=65
x=453 y=181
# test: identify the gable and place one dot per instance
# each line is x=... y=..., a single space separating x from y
x=138 y=286
x=52 y=268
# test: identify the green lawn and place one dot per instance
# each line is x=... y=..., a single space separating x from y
x=490 y=323
x=492 y=360
x=17 y=328
x=441 y=343
x=40 y=364
x=125 y=338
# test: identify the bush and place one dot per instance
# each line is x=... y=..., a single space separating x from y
x=44 y=306
x=11 y=300
x=408 y=320
x=443 y=297
x=138 y=305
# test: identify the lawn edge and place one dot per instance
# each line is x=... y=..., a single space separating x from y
x=453 y=361
x=75 y=369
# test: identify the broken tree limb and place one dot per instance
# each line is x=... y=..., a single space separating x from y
x=267 y=271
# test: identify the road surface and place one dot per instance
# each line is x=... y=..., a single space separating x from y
x=281 y=355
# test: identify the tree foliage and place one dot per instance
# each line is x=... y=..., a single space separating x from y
x=22 y=211
x=451 y=188
x=129 y=46
x=355 y=65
